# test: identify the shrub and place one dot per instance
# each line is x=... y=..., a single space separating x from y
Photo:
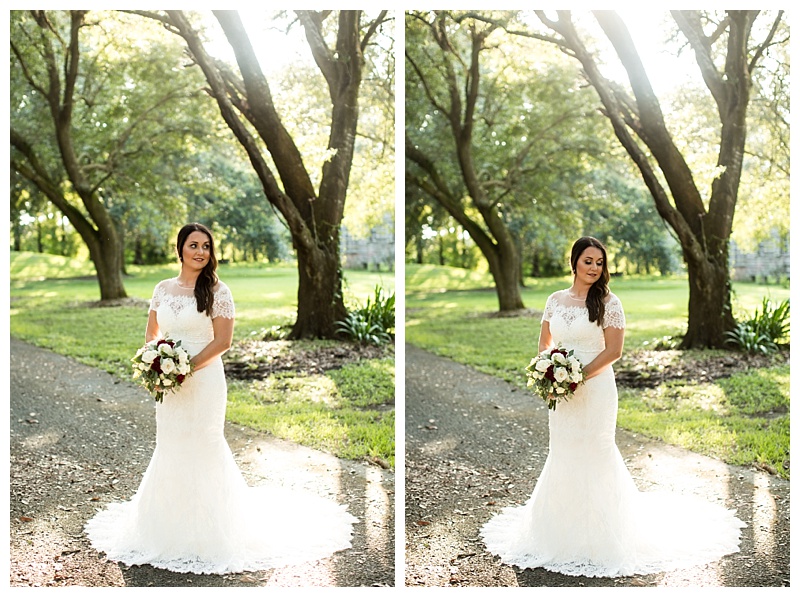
x=372 y=323
x=379 y=310
x=764 y=331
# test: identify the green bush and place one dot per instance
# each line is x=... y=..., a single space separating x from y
x=357 y=328
x=379 y=310
x=763 y=332
x=373 y=323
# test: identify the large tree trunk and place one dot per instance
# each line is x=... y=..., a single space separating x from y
x=319 y=300
x=505 y=271
x=107 y=264
x=709 y=303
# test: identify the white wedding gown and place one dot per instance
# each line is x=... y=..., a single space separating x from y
x=586 y=516
x=193 y=511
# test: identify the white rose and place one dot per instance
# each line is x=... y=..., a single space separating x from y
x=166 y=350
x=577 y=378
x=561 y=374
x=543 y=365
x=167 y=382
x=184 y=368
x=560 y=390
x=168 y=366
x=559 y=359
x=149 y=356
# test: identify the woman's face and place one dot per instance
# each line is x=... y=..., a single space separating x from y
x=196 y=250
x=589 y=266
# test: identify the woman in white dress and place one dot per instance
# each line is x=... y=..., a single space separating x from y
x=586 y=516
x=193 y=511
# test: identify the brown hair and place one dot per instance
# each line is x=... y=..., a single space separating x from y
x=595 y=298
x=204 y=287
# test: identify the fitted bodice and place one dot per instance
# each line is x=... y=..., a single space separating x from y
x=571 y=328
x=178 y=318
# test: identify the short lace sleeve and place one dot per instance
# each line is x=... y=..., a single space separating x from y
x=549 y=308
x=158 y=296
x=223 y=303
x=614 y=315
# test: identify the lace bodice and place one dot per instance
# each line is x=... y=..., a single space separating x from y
x=178 y=318
x=570 y=325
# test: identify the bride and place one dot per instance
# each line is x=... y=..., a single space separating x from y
x=586 y=516
x=193 y=511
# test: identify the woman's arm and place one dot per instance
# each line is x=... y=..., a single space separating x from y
x=545 y=337
x=615 y=338
x=223 y=336
x=152 y=331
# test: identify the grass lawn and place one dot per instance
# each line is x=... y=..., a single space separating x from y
x=452 y=312
x=51 y=307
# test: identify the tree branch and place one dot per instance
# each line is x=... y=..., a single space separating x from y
x=373 y=27
x=688 y=22
x=766 y=43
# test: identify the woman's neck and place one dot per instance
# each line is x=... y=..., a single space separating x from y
x=187 y=278
x=578 y=291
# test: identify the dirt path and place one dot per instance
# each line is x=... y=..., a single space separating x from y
x=79 y=438
x=475 y=444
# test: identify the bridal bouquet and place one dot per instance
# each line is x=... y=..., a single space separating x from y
x=161 y=366
x=554 y=375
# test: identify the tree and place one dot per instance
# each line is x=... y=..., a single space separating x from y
x=246 y=103
x=492 y=135
x=91 y=110
x=727 y=57
x=459 y=72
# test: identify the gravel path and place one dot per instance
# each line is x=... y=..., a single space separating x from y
x=475 y=444
x=80 y=438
